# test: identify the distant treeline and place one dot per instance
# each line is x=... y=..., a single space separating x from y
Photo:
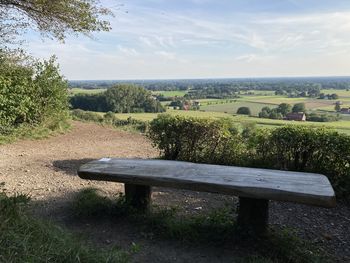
x=122 y=98
x=299 y=84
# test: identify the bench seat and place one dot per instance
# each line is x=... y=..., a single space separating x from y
x=254 y=186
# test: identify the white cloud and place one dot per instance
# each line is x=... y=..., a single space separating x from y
x=209 y=45
x=166 y=55
x=127 y=51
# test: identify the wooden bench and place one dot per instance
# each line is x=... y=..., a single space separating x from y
x=254 y=187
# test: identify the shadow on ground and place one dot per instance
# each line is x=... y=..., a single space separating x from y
x=70 y=166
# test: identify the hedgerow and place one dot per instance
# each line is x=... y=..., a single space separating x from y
x=292 y=147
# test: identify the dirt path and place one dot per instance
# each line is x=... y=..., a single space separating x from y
x=46 y=170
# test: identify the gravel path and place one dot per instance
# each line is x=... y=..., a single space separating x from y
x=46 y=170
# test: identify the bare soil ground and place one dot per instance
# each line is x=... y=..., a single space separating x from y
x=46 y=170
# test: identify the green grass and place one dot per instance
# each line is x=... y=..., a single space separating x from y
x=341 y=126
x=171 y=93
x=24 y=238
x=151 y=116
x=214 y=228
x=340 y=92
x=232 y=107
x=34 y=132
x=259 y=92
x=75 y=91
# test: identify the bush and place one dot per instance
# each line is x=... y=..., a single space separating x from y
x=86 y=116
x=322 y=117
x=196 y=139
x=297 y=148
x=109 y=118
x=244 y=110
x=301 y=148
x=31 y=93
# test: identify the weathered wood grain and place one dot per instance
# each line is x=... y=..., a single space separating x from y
x=306 y=188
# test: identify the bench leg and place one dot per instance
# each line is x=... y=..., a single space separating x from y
x=138 y=196
x=253 y=215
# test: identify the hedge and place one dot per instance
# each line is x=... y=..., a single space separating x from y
x=291 y=147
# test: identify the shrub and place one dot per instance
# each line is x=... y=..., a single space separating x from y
x=86 y=116
x=244 y=110
x=297 y=148
x=196 y=139
x=301 y=148
x=31 y=93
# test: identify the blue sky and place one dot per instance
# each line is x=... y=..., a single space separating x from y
x=160 y=39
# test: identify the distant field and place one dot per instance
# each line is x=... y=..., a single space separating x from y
x=261 y=92
x=74 y=91
x=151 y=116
x=166 y=93
x=341 y=126
x=340 y=92
x=255 y=107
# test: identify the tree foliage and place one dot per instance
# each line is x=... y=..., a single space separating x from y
x=299 y=107
x=121 y=98
x=54 y=19
x=244 y=110
x=31 y=92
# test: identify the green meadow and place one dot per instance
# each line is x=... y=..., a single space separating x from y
x=171 y=93
x=73 y=91
x=341 y=126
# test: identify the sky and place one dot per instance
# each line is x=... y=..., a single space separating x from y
x=177 y=39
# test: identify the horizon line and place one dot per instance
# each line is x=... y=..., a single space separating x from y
x=216 y=78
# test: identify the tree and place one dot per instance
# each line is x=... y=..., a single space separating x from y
x=244 y=110
x=337 y=106
x=275 y=115
x=265 y=112
x=299 y=107
x=125 y=98
x=284 y=108
x=334 y=96
x=53 y=19
x=31 y=92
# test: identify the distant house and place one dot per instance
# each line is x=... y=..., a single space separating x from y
x=296 y=116
x=345 y=110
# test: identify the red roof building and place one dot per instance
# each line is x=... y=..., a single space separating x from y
x=296 y=116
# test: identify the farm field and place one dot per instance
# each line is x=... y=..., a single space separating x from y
x=341 y=126
x=232 y=107
x=74 y=91
x=170 y=93
x=340 y=92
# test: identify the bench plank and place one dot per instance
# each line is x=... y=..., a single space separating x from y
x=306 y=188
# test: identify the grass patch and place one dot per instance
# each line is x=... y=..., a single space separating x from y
x=35 y=132
x=171 y=93
x=24 y=238
x=74 y=91
x=216 y=228
x=255 y=107
x=342 y=126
